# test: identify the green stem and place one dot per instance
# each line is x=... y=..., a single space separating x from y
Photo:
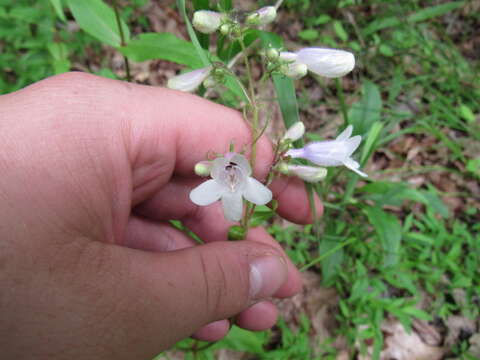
x=122 y=39
x=253 y=102
x=250 y=208
x=341 y=99
x=327 y=254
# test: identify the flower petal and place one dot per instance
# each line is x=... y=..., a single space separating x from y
x=206 y=193
x=345 y=134
x=256 y=192
x=232 y=205
x=352 y=145
x=353 y=165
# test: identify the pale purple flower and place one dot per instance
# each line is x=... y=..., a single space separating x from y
x=189 y=81
x=231 y=183
x=332 y=152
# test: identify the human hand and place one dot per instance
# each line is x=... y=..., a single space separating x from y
x=91 y=171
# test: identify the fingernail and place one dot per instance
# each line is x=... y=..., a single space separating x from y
x=267 y=274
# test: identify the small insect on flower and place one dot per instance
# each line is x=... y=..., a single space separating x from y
x=231 y=183
x=332 y=152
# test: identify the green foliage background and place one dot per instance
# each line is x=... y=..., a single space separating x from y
x=383 y=244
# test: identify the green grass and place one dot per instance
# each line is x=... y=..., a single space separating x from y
x=383 y=244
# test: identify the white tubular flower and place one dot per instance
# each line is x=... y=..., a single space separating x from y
x=189 y=81
x=262 y=16
x=207 y=21
x=332 y=152
x=295 y=131
x=231 y=182
x=307 y=173
x=330 y=63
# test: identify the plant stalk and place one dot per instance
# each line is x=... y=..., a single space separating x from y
x=122 y=39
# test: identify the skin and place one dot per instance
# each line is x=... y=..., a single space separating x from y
x=90 y=268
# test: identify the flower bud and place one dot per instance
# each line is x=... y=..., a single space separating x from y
x=262 y=16
x=295 y=131
x=225 y=29
x=209 y=82
x=206 y=21
x=295 y=70
x=272 y=54
x=307 y=173
x=189 y=81
x=330 y=63
x=288 y=56
x=203 y=168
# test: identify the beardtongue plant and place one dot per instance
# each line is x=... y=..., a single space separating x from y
x=232 y=181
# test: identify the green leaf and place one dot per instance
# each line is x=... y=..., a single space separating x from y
x=97 y=19
x=435 y=202
x=262 y=213
x=308 y=34
x=434 y=11
x=243 y=340
x=165 y=46
x=57 y=5
x=370 y=141
x=225 y=5
x=466 y=113
x=59 y=52
x=287 y=99
x=363 y=114
x=473 y=165
x=416 y=312
x=422 y=15
x=340 y=30
x=389 y=231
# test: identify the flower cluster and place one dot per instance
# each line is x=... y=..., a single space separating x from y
x=231 y=181
x=330 y=63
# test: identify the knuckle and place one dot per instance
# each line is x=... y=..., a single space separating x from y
x=225 y=284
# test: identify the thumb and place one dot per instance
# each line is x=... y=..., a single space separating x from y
x=169 y=296
x=210 y=282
